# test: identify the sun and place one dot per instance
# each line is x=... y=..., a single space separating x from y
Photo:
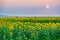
x=47 y=6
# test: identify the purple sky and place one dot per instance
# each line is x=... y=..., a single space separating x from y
x=29 y=7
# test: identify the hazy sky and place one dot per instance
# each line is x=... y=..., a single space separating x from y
x=29 y=7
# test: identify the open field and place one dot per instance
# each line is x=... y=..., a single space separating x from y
x=30 y=28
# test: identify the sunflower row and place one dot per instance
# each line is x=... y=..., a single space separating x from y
x=17 y=30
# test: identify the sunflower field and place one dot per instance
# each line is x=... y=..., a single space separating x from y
x=30 y=28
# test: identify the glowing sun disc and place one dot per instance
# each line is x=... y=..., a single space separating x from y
x=47 y=6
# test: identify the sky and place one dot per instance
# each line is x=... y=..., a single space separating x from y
x=30 y=7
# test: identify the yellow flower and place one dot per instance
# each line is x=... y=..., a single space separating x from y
x=33 y=35
x=16 y=25
x=27 y=23
x=11 y=28
x=39 y=28
x=38 y=24
x=53 y=25
x=58 y=24
x=5 y=25
x=33 y=28
x=21 y=28
x=30 y=27
x=0 y=25
x=20 y=22
x=11 y=34
x=46 y=25
x=49 y=23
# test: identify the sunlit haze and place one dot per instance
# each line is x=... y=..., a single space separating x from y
x=30 y=7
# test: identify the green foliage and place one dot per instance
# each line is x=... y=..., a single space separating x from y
x=29 y=30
